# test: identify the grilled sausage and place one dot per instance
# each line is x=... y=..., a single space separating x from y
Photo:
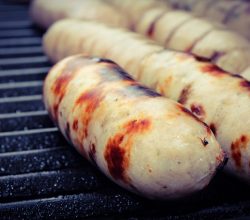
x=162 y=152
x=182 y=31
x=220 y=99
x=46 y=12
x=234 y=14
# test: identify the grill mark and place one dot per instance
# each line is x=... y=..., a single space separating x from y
x=189 y=113
x=237 y=76
x=151 y=28
x=146 y=91
x=236 y=147
x=230 y=14
x=112 y=72
x=210 y=4
x=245 y=84
x=91 y=99
x=184 y=94
x=75 y=125
x=213 y=128
x=171 y=34
x=61 y=83
x=198 y=110
x=212 y=70
x=118 y=156
x=104 y=60
x=195 y=42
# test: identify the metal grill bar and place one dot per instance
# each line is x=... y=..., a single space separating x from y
x=43 y=138
x=23 y=51
x=79 y=205
x=16 y=24
x=39 y=160
x=21 y=91
x=20 y=98
x=20 y=85
x=20 y=41
x=23 y=114
x=17 y=33
x=29 y=60
x=25 y=123
x=15 y=72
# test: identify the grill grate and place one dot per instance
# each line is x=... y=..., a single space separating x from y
x=42 y=177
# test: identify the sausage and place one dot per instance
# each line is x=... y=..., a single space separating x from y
x=185 y=32
x=234 y=14
x=220 y=99
x=162 y=152
x=46 y=12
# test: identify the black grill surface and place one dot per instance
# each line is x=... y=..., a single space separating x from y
x=42 y=177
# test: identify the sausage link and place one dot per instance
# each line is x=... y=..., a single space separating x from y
x=220 y=99
x=234 y=14
x=144 y=142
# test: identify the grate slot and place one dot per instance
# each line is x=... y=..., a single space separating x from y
x=21 y=24
x=22 y=78
x=20 y=62
x=21 y=91
x=18 y=15
x=18 y=33
x=31 y=139
x=50 y=183
x=21 y=52
x=18 y=42
x=24 y=122
x=68 y=206
x=12 y=107
x=39 y=160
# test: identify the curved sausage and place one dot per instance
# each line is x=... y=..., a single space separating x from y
x=183 y=31
x=220 y=99
x=161 y=152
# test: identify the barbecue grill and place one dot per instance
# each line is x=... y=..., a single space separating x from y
x=42 y=177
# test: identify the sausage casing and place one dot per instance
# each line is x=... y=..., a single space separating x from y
x=146 y=143
x=220 y=99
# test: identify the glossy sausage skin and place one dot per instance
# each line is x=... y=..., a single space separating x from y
x=144 y=142
x=220 y=99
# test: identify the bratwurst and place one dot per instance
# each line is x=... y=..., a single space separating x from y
x=144 y=142
x=220 y=99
